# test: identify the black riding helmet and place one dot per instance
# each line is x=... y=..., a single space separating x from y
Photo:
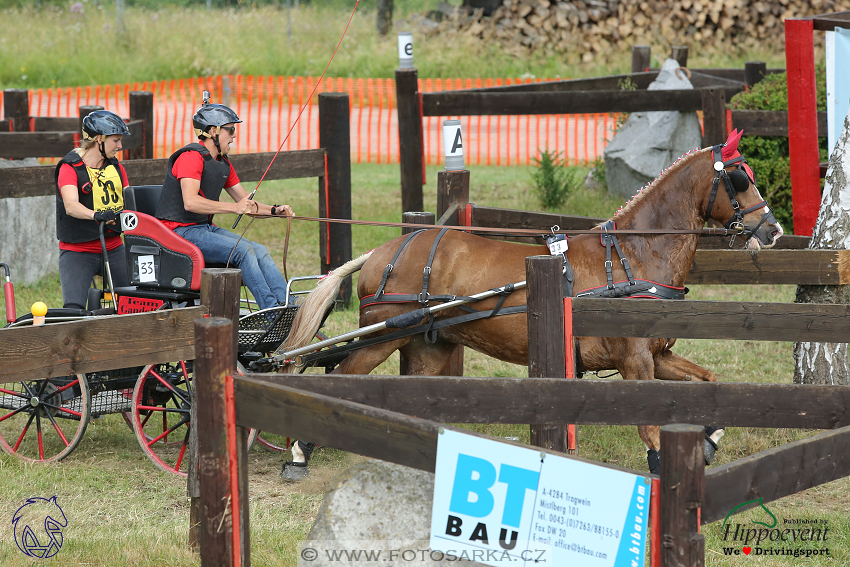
x=212 y=115
x=103 y=123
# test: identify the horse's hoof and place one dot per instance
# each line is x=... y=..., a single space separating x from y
x=710 y=450
x=653 y=459
x=293 y=472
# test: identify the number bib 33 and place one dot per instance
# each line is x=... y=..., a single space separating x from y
x=107 y=189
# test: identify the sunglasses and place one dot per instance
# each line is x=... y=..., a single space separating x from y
x=230 y=129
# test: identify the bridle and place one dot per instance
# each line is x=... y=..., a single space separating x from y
x=736 y=181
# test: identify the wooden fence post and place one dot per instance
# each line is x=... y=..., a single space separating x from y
x=452 y=188
x=713 y=116
x=680 y=54
x=141 y=108
x=546 y=346
x=335 y=187
x=16 y=105
x=641 y=55
x=223 y=530
x=85 y=111
x=409 y=139
x=220 y=293
x=682 y=494
x=754 y=71
x=422 y=217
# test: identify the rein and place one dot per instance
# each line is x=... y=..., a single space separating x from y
x=532 y=232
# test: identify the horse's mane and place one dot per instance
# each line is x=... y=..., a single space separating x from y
x=642 y=193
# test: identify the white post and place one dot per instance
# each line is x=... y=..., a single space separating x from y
x=405 y=50
x=453 y=144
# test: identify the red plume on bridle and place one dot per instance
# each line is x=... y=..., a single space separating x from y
x=730 y=148
x=730 y=151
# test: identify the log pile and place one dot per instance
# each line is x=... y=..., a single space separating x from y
x=597 y=26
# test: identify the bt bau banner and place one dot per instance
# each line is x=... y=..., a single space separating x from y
x=501 y=504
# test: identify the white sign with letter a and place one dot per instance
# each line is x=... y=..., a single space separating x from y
x=500 y=504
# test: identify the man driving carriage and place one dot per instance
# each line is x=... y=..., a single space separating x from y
x=195 y=177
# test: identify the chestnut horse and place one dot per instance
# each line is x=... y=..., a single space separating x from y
x=465 y=264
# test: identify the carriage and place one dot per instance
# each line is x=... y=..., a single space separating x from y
x=45 y=420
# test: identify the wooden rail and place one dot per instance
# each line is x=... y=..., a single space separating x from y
x=18 y=145
x=612 y=402
x=99 y=343
x=777 y=472
x=39 y=180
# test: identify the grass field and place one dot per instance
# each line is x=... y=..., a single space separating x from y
x=51 y=47
x=122 y=511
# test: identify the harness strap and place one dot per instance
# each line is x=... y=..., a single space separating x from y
x=406 y=332
x=407 y=298
x=426 y=272
x=389 y=267
x=608 y=240
x=639 y=289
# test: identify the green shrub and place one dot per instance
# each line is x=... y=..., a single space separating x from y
x=768 y=156
x=553 y=180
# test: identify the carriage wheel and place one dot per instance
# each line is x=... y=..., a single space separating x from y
x=44 y=420
x=162 y=400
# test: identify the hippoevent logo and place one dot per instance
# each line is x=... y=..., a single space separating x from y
x=792 y=537
x=38 y=527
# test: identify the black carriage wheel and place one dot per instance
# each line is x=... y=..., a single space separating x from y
x=162 y=400
x=44 y=420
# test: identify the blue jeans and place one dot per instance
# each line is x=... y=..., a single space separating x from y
x=259 y=271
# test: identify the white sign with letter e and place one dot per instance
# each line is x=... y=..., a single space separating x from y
x=500 y=504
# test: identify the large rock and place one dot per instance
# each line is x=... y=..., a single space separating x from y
x=28 y=233
x=375 y=507
x=649 y=142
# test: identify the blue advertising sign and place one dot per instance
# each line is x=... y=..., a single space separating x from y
x=837 y=83
x=501 y=504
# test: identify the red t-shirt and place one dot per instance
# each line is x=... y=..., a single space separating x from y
x=68 y=176
x=191 y=165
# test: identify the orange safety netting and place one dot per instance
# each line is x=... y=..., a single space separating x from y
x=268 y=105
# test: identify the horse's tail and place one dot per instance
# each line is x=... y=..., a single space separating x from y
x=316 y=305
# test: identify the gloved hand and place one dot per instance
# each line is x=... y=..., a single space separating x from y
x=105 y=216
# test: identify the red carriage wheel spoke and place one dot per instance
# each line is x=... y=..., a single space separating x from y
x=17 y=411
x=40 y=438
x=65 y=387
x=23 y=433
x=61 y=408
x=160 y=408
x=165 y=425
x=182 y=451
x=56 y=427
x=13 y=393
x=167 y=431
x=174 y=391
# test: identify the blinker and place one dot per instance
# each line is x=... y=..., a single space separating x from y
x=740 y=180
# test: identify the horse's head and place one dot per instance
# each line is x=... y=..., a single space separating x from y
x=744 y=209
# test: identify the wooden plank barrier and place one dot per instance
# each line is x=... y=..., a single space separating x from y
x=99 y=343
x=612 y=402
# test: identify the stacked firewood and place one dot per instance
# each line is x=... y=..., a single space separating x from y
x=597 y=26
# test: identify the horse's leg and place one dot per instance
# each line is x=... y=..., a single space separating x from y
x=365 y=360
x=669 y=366
x=637 y=364
x=424 y=358
x=360 y=361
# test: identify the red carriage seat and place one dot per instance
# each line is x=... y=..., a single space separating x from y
x=156 y=256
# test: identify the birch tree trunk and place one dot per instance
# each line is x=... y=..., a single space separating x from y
x=828 y=363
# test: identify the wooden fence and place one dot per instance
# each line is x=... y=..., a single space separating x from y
x=397 y=418
x=22 y=135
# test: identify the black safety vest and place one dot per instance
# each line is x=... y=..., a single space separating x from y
x=213 y=178
x=70 y=229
